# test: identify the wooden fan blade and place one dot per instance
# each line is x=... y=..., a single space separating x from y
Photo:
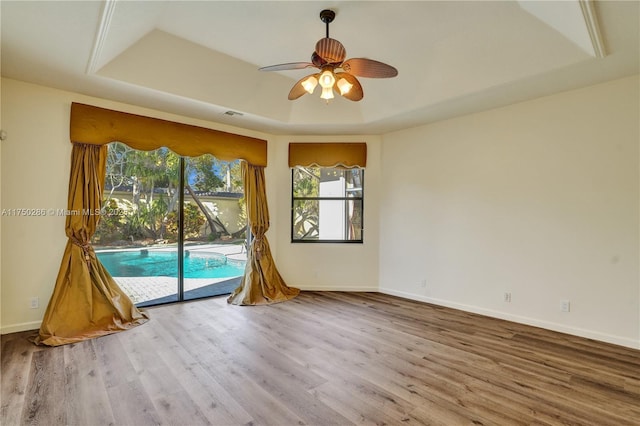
x=331 y=50
x=355 y=93
x=297 y=90
x=289 y=66
x=363 y=67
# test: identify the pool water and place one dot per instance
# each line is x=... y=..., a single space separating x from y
x=143 y=263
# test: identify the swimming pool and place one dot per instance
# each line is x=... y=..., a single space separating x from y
x=149 y=263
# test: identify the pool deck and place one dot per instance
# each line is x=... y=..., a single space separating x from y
x=145 y=289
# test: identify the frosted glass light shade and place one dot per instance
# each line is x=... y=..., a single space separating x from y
x=344 y=86
x=310 y=84
x=327 y=79
x=327 y=93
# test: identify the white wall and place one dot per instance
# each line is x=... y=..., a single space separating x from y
x=327 y=266
x=539 y=199
x=0 y=209
x=35 y=174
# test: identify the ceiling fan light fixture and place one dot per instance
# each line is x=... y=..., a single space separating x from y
x=344 y=86
x=327 y=79
x=329 y=56
x=310 y=84
x=327 y=93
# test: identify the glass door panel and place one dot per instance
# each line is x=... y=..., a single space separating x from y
x=214 y=227
x=137 y=237
x=171 y=228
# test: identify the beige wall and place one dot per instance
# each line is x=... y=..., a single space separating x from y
x=539 y=199
x=0 y=209
x=327 y=266
x=35 y=174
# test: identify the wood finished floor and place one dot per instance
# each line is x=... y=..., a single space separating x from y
x=321 y=359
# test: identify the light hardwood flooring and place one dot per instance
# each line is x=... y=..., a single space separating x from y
x=321 y=359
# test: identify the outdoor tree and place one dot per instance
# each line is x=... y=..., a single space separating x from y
x=306 y=183
x=204 y=171
x=152 y=178
x=201 y=172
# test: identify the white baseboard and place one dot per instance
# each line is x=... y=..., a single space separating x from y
x=25 y=326
x=337 y=288
x=35 y=325
x=589 y=334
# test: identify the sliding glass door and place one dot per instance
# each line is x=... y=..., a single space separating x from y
x=215 y=225
x=172 y=228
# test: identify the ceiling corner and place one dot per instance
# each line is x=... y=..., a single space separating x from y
x=101 y=36
x=574 y=19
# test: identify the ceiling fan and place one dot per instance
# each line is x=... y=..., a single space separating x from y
x=329 y=57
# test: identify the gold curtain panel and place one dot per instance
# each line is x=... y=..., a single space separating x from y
x=99 y=126
x=262 y=283
x=86 y=301
x=328 y=154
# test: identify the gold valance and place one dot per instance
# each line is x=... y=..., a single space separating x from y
x=328 y=154
x=99 y=126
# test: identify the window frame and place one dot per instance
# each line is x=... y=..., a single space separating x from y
x=182 y=251
x=345 y=198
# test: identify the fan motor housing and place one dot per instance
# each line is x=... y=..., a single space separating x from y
x=327 y=16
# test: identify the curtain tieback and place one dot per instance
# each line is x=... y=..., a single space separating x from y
x=86 y=249
x=257 y=241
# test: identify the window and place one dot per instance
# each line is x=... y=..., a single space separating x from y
x=326 y=204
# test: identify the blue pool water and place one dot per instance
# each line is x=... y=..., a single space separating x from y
x=142 y=263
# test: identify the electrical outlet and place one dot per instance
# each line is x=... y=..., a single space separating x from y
x=35 y=303
x=507 y=297
x=565 y=306
x=423 y=283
